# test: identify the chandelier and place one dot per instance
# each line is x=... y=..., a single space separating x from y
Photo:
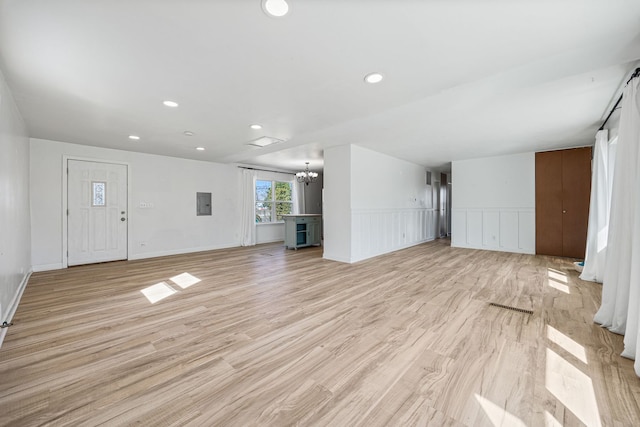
x=307 y=176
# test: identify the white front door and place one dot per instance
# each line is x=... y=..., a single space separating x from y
x=96 y=212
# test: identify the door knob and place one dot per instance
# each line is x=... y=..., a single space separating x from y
x=122 y=219
x=564 y=211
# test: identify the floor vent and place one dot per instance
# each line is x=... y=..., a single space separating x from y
x=508 y=307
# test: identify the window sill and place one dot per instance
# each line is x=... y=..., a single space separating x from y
x=270 y=223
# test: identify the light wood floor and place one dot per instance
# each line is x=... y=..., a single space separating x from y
x=276 y=337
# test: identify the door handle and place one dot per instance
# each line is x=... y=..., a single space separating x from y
x=564 y=211
x=122 y=219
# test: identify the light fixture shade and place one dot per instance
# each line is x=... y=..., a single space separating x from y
x=306 y=175
x=275 y=8
x=373 y=78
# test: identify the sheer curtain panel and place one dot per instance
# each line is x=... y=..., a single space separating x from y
x=599 y=205
x=621 y=284
x=630 y=131
x=248 y=224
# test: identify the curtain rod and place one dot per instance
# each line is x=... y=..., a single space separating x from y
x=265 y=170
x=636 y=73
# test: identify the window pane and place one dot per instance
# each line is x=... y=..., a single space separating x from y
x=99 y=194
x=263 y=212
x=283 y=191
x=263 y=191
x=283 y=208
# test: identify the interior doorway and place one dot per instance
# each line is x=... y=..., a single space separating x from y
x=96 y=212
x=443 y=206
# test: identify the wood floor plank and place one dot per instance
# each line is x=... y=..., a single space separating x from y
x=269 y=336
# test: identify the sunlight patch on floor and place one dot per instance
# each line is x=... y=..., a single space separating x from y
x=572 y=388
x=559 y=286
x=556 y=275
x=498 y=415
x=157 y=292
x=550 y=420
x=185 y=280
x=558 y=280
x=567 y=343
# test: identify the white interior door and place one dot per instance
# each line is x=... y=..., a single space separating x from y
x=96 y=212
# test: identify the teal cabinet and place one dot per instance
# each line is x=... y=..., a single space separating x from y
x=302 y=230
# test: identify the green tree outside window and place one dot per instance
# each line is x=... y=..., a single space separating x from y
x=273 y=199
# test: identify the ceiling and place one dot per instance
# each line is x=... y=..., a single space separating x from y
x=463 y=78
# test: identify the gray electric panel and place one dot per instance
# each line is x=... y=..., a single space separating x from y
x=203 y=204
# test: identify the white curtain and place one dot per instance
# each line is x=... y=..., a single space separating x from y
x=632 y=136
x=248 y=223
x=621 y=285
x=600 y=203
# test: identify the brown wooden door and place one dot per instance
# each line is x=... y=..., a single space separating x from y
x=549 y=203
x=563 y=186
x=576 y=191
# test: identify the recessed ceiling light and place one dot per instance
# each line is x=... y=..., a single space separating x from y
x=200 y=148
x=373 y=78
x=134 y=137
x=188 y=133
x=170 y=103
x=263 y=141
x=256 y=127
x=276 y=8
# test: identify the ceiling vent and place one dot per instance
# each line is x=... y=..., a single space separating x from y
x=264 y=141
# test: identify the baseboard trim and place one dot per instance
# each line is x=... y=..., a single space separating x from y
x=495 y=249
x=336 y=258
x=182 y=251
x=397 y=248
x=47 y=267
x=270 y=241
x=13 y=306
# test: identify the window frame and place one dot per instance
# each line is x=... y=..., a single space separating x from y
x=274 y=203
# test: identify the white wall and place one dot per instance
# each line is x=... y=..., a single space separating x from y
x=337 y=203
x=169 y=184
x=15 y=238
x=378 y=204
x=493 y=203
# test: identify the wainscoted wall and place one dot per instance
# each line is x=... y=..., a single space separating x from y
x=503 y=229
x=379 y=231
x=369 y=213
x=493 y=204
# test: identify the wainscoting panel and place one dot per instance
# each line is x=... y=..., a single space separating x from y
x=474 y=228
x=527 y=231
x=459 y=228
x=376 y=232
x=490 y=229
x=508 y=230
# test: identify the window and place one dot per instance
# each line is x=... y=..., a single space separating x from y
x=99 y=195
x=273 y=199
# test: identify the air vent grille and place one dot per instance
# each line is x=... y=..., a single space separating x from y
x=508 y=307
